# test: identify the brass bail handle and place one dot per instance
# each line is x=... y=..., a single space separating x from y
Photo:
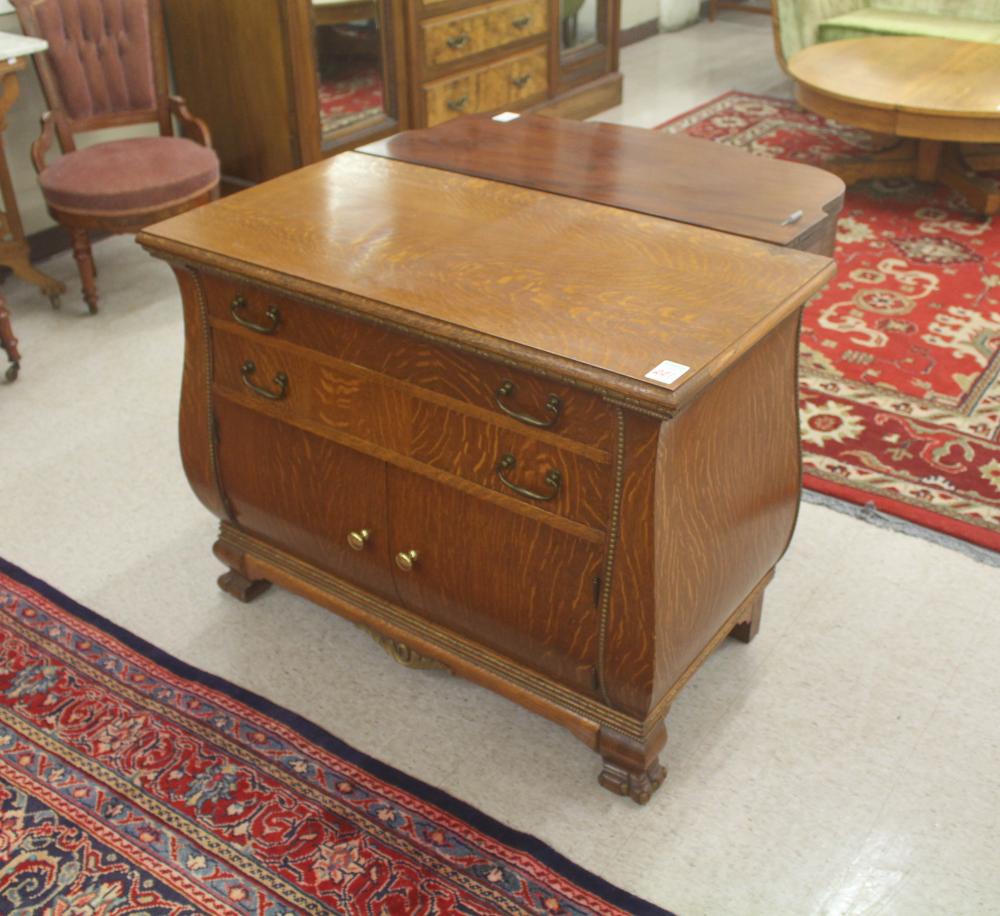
x=553 y=405
x=280 y=380
x=553 y=479
x=272 y=315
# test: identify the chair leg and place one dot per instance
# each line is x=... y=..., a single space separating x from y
x=8 y=342
x=85 y=262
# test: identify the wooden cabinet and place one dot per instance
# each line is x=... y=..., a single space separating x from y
x=283 y=83
x=263 y=76
x=426 y=401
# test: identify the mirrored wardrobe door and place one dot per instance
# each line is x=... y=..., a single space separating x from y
x=579 y=24
x=356 y=68
x=587 y=39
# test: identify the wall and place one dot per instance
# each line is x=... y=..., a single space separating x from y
x=635 y=12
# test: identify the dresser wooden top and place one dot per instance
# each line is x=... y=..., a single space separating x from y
x=594 y=294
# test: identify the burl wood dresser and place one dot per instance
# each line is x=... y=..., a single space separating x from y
x=548 y=444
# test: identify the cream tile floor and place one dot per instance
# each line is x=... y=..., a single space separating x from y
x=847 y=762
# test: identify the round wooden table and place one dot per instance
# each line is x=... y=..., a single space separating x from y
x=935 y=93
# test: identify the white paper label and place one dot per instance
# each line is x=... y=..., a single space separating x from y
x=667 y=372
x=505 y=116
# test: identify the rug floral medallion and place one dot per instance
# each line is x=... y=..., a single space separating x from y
x=900 y=354
x=131 y=783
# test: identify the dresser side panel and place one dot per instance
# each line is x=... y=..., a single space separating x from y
x=196 y=423
x=727 y=492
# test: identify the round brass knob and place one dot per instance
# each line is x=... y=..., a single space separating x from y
x=406 y=560
x=356 y=540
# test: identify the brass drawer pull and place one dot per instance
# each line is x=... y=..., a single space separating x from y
x=239 y=303
x=553 y=405
x=281 y=380
x=458 y=41
x=357 y=540
x=521 y=81
x=553 y=479
x=406 y=560
x=458 y=104
x=522 y=23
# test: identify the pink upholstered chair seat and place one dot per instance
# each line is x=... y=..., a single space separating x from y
x=130 y=175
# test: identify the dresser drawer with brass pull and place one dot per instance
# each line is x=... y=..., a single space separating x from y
x=366 y=410
x=257 y=373
x=510 y=81
x=517 y=465
x=489 y=88
x=520 y=398
x=459 y=36
x=449 y=98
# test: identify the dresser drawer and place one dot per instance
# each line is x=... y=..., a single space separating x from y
x=376 y=413
x=521 y=466
x=450 y=98
x=458 y=37
x=513 y=80
x=522 y=400
x=488 y=88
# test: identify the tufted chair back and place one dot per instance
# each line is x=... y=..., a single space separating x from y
x=106 y=62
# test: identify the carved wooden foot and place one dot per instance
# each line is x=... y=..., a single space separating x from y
x=85 y=262
x=632 y=767
x=239 y=586
x=747 y=629
x=236 y=582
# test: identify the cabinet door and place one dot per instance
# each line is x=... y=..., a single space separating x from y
x=306 y=495
x=505 y=580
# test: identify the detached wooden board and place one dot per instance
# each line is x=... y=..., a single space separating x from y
x=693 y=181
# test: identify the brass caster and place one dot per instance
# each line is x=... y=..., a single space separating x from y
x=55 y=300
x=12 y=370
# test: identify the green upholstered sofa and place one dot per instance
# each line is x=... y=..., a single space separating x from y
x=799 y=23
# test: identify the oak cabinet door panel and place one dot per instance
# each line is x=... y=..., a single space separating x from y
x=305 y=494
x=511 y=583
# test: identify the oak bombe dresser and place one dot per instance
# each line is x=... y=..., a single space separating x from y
x=549 y=444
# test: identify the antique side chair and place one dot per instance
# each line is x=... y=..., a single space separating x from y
x=106 y=66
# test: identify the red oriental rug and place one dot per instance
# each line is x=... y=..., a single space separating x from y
x=131 y=783
x=346 y=101
x=900 y=355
